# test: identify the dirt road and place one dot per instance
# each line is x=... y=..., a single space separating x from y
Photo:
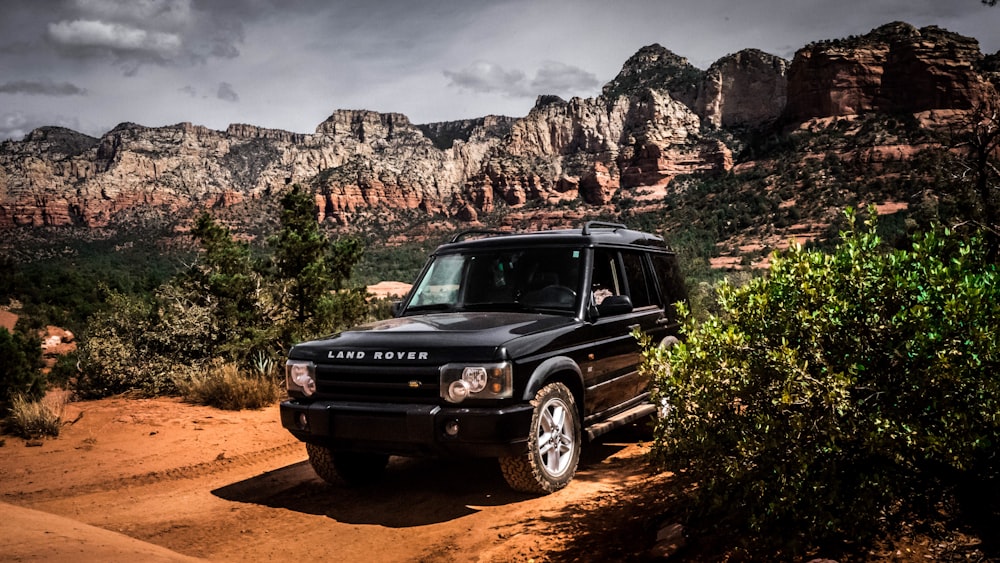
x=227 y=486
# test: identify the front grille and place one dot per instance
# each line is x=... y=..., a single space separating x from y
x=380 y=384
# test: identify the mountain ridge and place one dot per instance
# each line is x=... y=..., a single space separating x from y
x=660 y=118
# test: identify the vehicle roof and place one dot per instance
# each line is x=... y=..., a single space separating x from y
x=592 y=234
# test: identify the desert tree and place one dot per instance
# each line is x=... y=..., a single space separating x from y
x=227 y=279
x=977 y=141
x=313 y=270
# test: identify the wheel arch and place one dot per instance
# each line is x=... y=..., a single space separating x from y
x=559 y=368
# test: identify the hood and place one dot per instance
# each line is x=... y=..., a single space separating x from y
x=431 y=339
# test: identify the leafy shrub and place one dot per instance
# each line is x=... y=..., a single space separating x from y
x=226 y=386
x=840 y=391
x=33 y=418
x=120 y=353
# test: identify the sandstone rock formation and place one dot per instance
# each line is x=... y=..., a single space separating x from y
x=652 y=122
x=895 y=68
x=747 y=88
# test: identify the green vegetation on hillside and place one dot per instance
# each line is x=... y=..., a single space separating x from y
x=57 y=281
x=229 y=310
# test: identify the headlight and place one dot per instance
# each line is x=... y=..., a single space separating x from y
x=300 y=377
x=486 y=381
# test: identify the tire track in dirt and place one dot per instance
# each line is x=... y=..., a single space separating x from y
x=218 y=465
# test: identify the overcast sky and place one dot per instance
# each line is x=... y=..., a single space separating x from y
x=288 y=64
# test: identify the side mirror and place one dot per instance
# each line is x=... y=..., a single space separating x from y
x=396 y=308
x=615 y=305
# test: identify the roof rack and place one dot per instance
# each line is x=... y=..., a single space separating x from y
x=464 y=234
x=601 y=225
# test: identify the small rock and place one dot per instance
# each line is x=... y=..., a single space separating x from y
x=669 y=540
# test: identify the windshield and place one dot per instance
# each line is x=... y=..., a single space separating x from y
x=500 y=280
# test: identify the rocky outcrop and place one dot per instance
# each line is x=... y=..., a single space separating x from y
x=895 y=68
x=444 y=134
x=654 y=66
x=748 y=88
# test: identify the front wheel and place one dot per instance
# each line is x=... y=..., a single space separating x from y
x=553 y=444
x=352 y=468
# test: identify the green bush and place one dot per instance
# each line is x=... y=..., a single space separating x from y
x=20 y=364
x=840 y=391
x=122 y=354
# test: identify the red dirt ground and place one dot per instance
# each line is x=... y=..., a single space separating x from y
x=158 y=479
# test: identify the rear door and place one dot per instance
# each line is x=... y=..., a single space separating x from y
x=610 y=370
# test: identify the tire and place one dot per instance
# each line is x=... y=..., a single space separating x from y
x=351 y=468
x=553 y=444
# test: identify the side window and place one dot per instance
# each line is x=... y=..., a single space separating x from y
x=639 y=286
x=671 y=281
x=606 y=280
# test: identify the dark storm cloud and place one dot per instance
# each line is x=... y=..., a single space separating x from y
x=552 y=78
x=134 y=33
x=43 y=88
x=226 y=93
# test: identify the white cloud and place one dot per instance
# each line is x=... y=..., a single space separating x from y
x=552 y=78
x=487 y=78
x=113 y=36
x=564 y=80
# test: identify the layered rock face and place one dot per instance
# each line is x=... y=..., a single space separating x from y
x=895 y=68
x=360 y=160
x=646 y=127
x=744 y=89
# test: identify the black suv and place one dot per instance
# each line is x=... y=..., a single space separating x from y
x=514 y=346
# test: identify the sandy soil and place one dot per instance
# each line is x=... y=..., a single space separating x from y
x=162 y=480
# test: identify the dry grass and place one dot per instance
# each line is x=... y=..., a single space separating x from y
x=34 y=419
x=225 y=386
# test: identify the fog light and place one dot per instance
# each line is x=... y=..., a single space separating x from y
x=451 y=428
x=458 y=391
x=303 y=421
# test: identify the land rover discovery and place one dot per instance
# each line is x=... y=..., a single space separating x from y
x=512 y=346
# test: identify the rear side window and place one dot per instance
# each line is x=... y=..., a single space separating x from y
x=671 y=281
x=640 y=287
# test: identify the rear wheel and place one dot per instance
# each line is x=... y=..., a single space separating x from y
x=553 y=444
x=352 y=468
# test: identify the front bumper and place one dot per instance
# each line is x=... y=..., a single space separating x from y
x=409 y=429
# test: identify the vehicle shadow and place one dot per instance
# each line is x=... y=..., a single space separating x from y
x=413 y=491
